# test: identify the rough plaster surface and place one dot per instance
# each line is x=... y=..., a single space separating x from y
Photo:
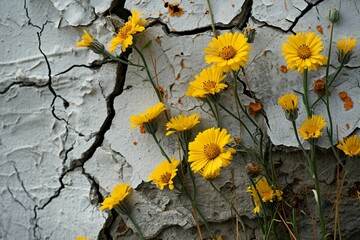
x=65 y=139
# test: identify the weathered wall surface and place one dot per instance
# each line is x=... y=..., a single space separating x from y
x=65 y=138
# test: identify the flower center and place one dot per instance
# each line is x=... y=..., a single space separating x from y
x=312 y=130
x=124 y=31
x=211 y=150
x=165 y=178
x=227 y=52
x=304 y=52
x=353 y=149
x=209 y=85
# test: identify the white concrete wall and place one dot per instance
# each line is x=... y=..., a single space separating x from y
x=65 y=138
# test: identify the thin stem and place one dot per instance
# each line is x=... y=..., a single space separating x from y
x=211 y=18
x=113 y=57
x=232 y=206
x=158 y=94
x=186 y=155
x=305 y=95
x=160 y=147
x=136 y=227
x=240 y=121
x=214 y=110
x=298 y=140
x=313 y=168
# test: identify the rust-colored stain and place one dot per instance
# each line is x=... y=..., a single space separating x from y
x=142 y=129
x=135 y=143
x=319 y=87
x=319 y=29
x=348 y=103
x=177 y=76
x=174 y=9
x=347 y=126
x=180 y=101
x=182 y=65
x=283 y=69
x=254 y=108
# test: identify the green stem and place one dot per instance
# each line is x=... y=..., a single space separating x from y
x=158 y=94
x=239 y=119
x=249 y=117
x=232 y=206
x=298 y=140
x=136 y=227
x=305 y=95
x=160 y=147
x=314 y=174
x=211 y=18
x=107 y=53
x=186 y=155
x=214 y=109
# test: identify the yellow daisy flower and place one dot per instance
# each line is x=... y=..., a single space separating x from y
x=350 y=146
x=312 y=127
x=126 y=32
x=302 y=51
x=182 y=123
x=207 y=82
x=289 y=102
x=145 y=119
x=90 y=42
x=86 y=40
x=120 y=192
x=262 y=192
x=345 y=49
x=228 y=52
x=164 y=173
x=207 y=153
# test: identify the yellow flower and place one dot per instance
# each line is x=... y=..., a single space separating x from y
x=91 y=42
x=126 y=32
x=164 y=173
x=228 y=52
x=289 y=102
x=82 y=238
x=147 y=117
x=182 y=123
x=312 y=127
x=350 y=145
x=86 y=40
x=345 y=49
x=302 y=51
x=207 y=153
x=262 y=192
x=207 y=82
x=116 y=197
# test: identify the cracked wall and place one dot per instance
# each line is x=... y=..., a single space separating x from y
x=65 y=138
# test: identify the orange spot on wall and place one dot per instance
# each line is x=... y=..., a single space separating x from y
x=135 y=143
x=254 y=108
x=347 y=126
x=320 y=29
x=283 y=69
x=142 y=129
x=348 y=103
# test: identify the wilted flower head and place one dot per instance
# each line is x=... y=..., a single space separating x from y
x=147 y=119
x=208 y=82
x=207 y=153
x=319 y=87
x=117 y=199
x=302 y=51
x=228 y=52
x=255 y=107
x=90 y=42
x=350 y=146
x=249 y=33
x=253 y=169
x=182 y=123
x=345 y=49
x=126 y=32
x=164 y=173
x=289 y=102
x=312 y=127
